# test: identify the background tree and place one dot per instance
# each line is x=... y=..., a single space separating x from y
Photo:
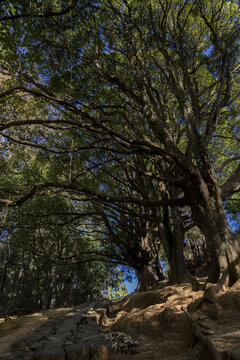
x=159 y=79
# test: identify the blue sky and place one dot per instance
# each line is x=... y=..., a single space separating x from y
x=131 y=286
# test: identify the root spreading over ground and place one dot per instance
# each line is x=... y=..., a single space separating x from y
x=171 y=323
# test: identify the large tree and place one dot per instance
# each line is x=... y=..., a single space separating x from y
x=157 y=78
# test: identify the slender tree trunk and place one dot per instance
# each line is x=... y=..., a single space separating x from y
x=54 y=292
x=20 y=284
x=158 y=270
x=3 y=276
x=223 y=249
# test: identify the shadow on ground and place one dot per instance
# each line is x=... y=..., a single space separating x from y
x=160 y=320
x=71 y=336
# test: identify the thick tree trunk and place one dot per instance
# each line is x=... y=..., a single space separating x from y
x=223 y=249
x=172 y=240
x=146 y=279
x=178 y=268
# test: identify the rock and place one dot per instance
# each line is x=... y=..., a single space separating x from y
x=53 y=354
x=74 y=337
x=92 y=338
x=17 y=355
x=50 y=350
x=78 y=351
x=33 y=339
x=101 y=352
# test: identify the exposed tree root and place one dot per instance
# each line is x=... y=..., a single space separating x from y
x=204 y=339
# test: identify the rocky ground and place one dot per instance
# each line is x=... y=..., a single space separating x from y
x=172 y=323
x=71 y=334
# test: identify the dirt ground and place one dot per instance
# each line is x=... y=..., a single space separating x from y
x=14 y=328
x=158 y=320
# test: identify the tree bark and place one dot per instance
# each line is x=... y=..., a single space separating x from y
x=173 y=240
x=146 y=279
x=158 y=270
x=179 y=271
x=209 y=214
x=3 y=276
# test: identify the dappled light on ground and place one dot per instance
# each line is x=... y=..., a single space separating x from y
x=161 y=324
x=158 y=321
x=15 y=327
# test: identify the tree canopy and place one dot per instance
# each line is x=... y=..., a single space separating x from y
x=120 y=121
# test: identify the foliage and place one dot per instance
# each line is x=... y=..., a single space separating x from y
x=119 y=128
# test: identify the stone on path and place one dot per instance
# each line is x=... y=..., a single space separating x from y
x=74 y=336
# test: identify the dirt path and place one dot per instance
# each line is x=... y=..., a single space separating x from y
x=73 y=335
x=156 y=319
x=14 y=328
